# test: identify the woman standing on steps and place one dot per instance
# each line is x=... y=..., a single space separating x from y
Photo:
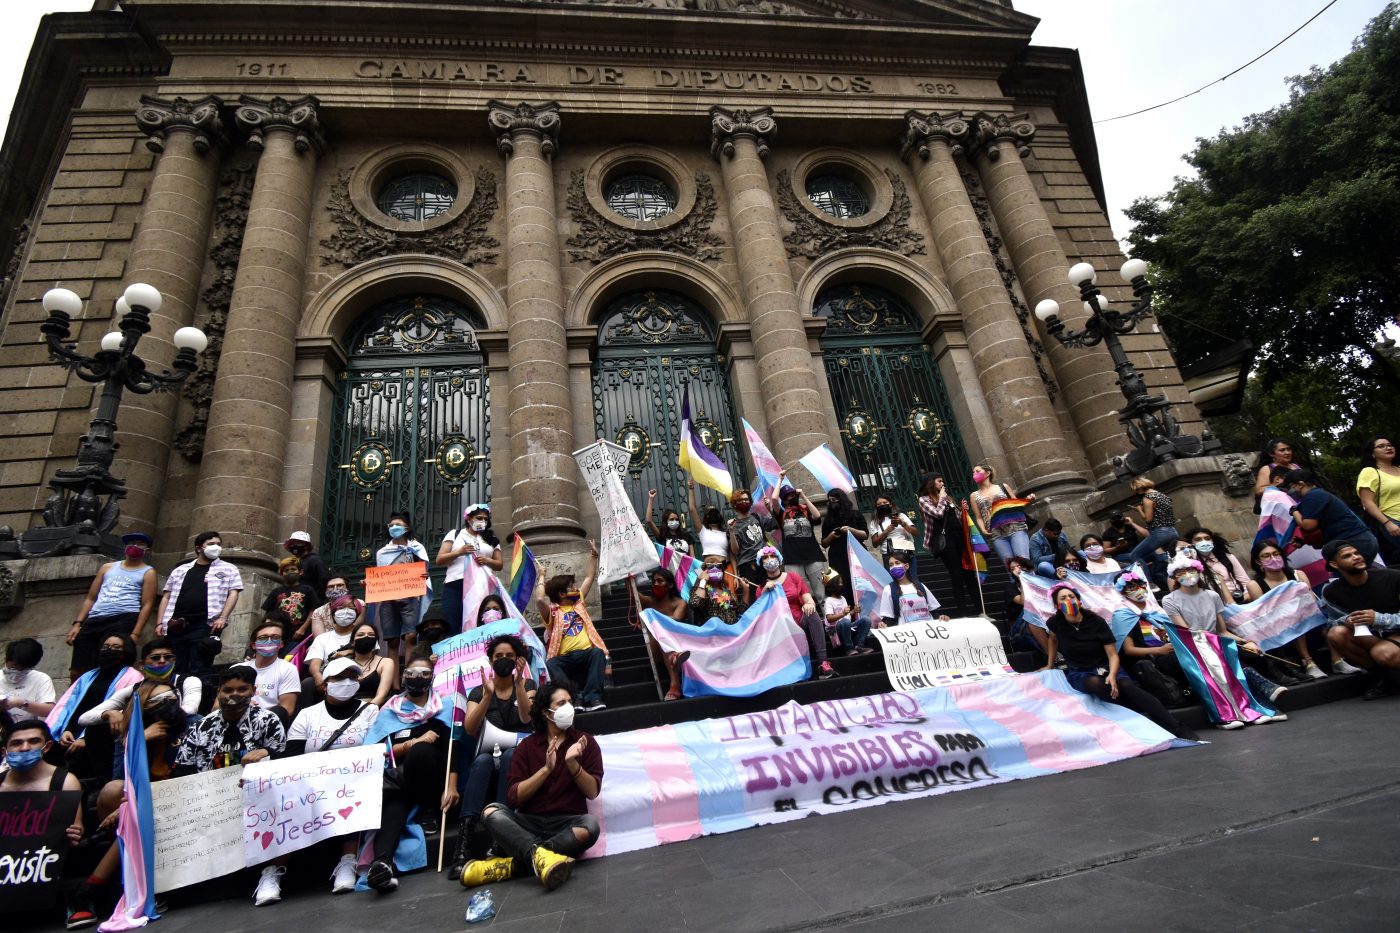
x=943 y=536
x=671 y=532
x=474 y=541
x=1009 y=536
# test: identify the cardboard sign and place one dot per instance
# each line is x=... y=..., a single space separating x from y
x=33 y=843
x=934 y=653
x=396 y=581
x=199 y=827
x=292 y=803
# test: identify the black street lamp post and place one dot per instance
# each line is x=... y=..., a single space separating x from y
x=85 y=503
x=1152 y=429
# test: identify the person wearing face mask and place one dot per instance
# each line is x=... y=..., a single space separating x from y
x=90 y=751
x=25 y=692
x=199 y=598
x=505 y=700
x=544 y=825
x=320 y=621
x=345 y=615
x=802 y=605
x=1065 y=561
x=26 y=743
x=1148 y=649
x=314 y=572
x=573 y=647
x=377 y=673
x=416 y=724
x=397 y=618
x=719 y=594
x=672 y=532
x=943 y=536
x=119 y=602
x=1095 y=561
x=431 y=630
x=1233 y=695
x=1011 y=538
x=748 y=532
x=800 y=520
x=278 y=685
x=1092 y=664
x=341 y=721
x=158 y=669
x=663 y=597
x=294 y=597
x=474 y=541
x=1226 y=572
x=843 y=527
x=1271 y=570
x=714 y=537
x=891 y=530
x=906 y=599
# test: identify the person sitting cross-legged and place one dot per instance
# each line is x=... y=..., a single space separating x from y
x=545 y=824
x=1368 y=602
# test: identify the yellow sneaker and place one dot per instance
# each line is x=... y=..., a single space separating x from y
x=486 y=870
x=551 y=868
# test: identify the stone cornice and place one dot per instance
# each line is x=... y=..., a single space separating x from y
x=991 y=129
x=158 y=118
x=729 y=125
x=300 y=117
x=541 y=120
x=920 y=128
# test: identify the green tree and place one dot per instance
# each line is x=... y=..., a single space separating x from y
x=1290 y=235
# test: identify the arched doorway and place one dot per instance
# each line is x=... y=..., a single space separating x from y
x=896 y=420
x=651 y=346
x=410 y=429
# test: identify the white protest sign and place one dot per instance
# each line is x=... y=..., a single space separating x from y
x=199 y=827
x=934 y=653
x=292 y=803
x=624 y=548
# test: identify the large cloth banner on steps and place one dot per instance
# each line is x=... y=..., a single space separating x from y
x=672 y=783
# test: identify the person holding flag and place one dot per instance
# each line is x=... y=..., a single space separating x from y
x=749 y=532
x=801 y=605
x=703 y=464
x=474 y=541
x=1000 y=516
x=524 y=573
x=906 y=599
x=719 y=594
x=665 y=598
x=975 y=549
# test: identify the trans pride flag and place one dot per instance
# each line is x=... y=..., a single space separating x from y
x=868 y=580
x=763 y=650
x=136 y=836
x=702 y=463
x=1276 y=522
x=58 y=717
x=766 y=469
x=1277 y=617
x=974 y=547
x=523 y=574
x=684 y=568
x=1212 y=665
x=829 y=472
x=478 y=582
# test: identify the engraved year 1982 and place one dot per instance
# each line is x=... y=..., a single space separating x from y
x=939 y=87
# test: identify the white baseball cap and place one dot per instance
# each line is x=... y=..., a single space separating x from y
x=337 y=666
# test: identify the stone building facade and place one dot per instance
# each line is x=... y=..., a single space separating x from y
x=438 y=248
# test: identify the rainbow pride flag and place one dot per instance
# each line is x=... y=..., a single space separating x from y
x=829 y=472
x=136 y=837
x=702 y=463
x=1007 y=511
x=766 y=469
x=524 y=572
x=974 y=547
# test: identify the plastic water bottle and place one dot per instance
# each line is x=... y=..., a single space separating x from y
x=496 y=756
x=482 y=906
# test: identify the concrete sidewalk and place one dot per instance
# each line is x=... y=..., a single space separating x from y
x=1282 y=826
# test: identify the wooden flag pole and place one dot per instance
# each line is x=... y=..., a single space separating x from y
x=646 y=637
x=442 y=823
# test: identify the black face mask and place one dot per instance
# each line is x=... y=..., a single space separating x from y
x=432 y=636
x=883 y=511
x=366 y=645
x=416 y=686
x=503 y=667
x=109 y=657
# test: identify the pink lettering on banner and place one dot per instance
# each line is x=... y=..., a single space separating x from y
x=294 y=803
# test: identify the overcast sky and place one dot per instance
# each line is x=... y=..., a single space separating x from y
x=1136 y=53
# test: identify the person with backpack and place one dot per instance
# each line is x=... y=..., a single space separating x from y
x=906 y=599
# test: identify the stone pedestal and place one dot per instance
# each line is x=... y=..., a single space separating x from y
x=39 y=598
x=1213 y=492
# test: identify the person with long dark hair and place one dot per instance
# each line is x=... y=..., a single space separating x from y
x=1231 y=581
x=1321 y=513
x=841 y=523
x=671 y=531
x=802 y=553
x=1278 y=453
x=663 y=597
x=1271 y=570
x=474 y=541
x=943 y=537
x=1378 y=488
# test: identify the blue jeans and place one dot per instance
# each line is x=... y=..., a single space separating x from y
x=584 y=669
x=481 y=783
x=1146 y=554
x=1016 y=544
x=852 y=632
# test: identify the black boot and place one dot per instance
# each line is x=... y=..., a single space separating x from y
x=461 y=852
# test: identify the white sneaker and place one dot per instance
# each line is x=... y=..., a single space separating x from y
x=269 y=886
x=1343 y=667
x=344 y=877
x=1279 y=717
x=1276 y=693
x=1261 y=720
x=1232 y=724
x=1312 y=670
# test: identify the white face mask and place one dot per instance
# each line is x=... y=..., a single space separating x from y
x=14 y=677
x=772 y=564
x=342 y=689
x=212 y=551
x=564 y=716
x=344 y=617
x=479 y=525
x=673 y=525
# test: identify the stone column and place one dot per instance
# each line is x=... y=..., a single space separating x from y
x=543 y=474
x=792 y=400
x=240 y=477
x=168 y=252
x=1085 y=375
x=1041 y=456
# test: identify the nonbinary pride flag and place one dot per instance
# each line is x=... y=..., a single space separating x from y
x=868 y=580
x=763 y=650
x=703 y=465
x=829 y=472
x=766 y=469
x=523 y=574
x=136 y=835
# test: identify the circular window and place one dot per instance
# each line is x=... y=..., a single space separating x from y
x=640 y=197
x=838 y=196
x=417 y=196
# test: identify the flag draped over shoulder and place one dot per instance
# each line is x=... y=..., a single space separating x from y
x=763 y=650
x=479 y=582
x=1276 y=522
x=136 y=835
x=766 y=469
x=683 y=567
x=868 y=580
x=829 y=472
x=1277 y=617
x=58 y=717
x=523 y=574
x=974 y=547
x=702 y=463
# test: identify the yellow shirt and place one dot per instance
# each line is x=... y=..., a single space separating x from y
x=574 y=636
x=1385 y=487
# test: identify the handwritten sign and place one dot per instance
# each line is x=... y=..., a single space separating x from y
x=934 y=653
x=624 y=547
x=32 y=846
x=199 y=827
x=292 y=803
x=396 y=581
x=464 y=656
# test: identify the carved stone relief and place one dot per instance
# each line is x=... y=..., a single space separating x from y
x=598 y=238
x=814 y=238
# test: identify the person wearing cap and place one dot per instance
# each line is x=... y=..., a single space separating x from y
x=474 y=541
x=1364 y=603
x=295 y=597
x=314 y=572
x=119 y=602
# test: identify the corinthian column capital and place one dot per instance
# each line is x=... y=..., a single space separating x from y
x=541 y=120
x=1015 y=128
x=158 y=118
x=729 y=125
x=300 y=117
x=921 y=128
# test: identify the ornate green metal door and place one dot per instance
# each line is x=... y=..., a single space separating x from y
x=896 y=421
x=651 y=346
x=411 y=429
